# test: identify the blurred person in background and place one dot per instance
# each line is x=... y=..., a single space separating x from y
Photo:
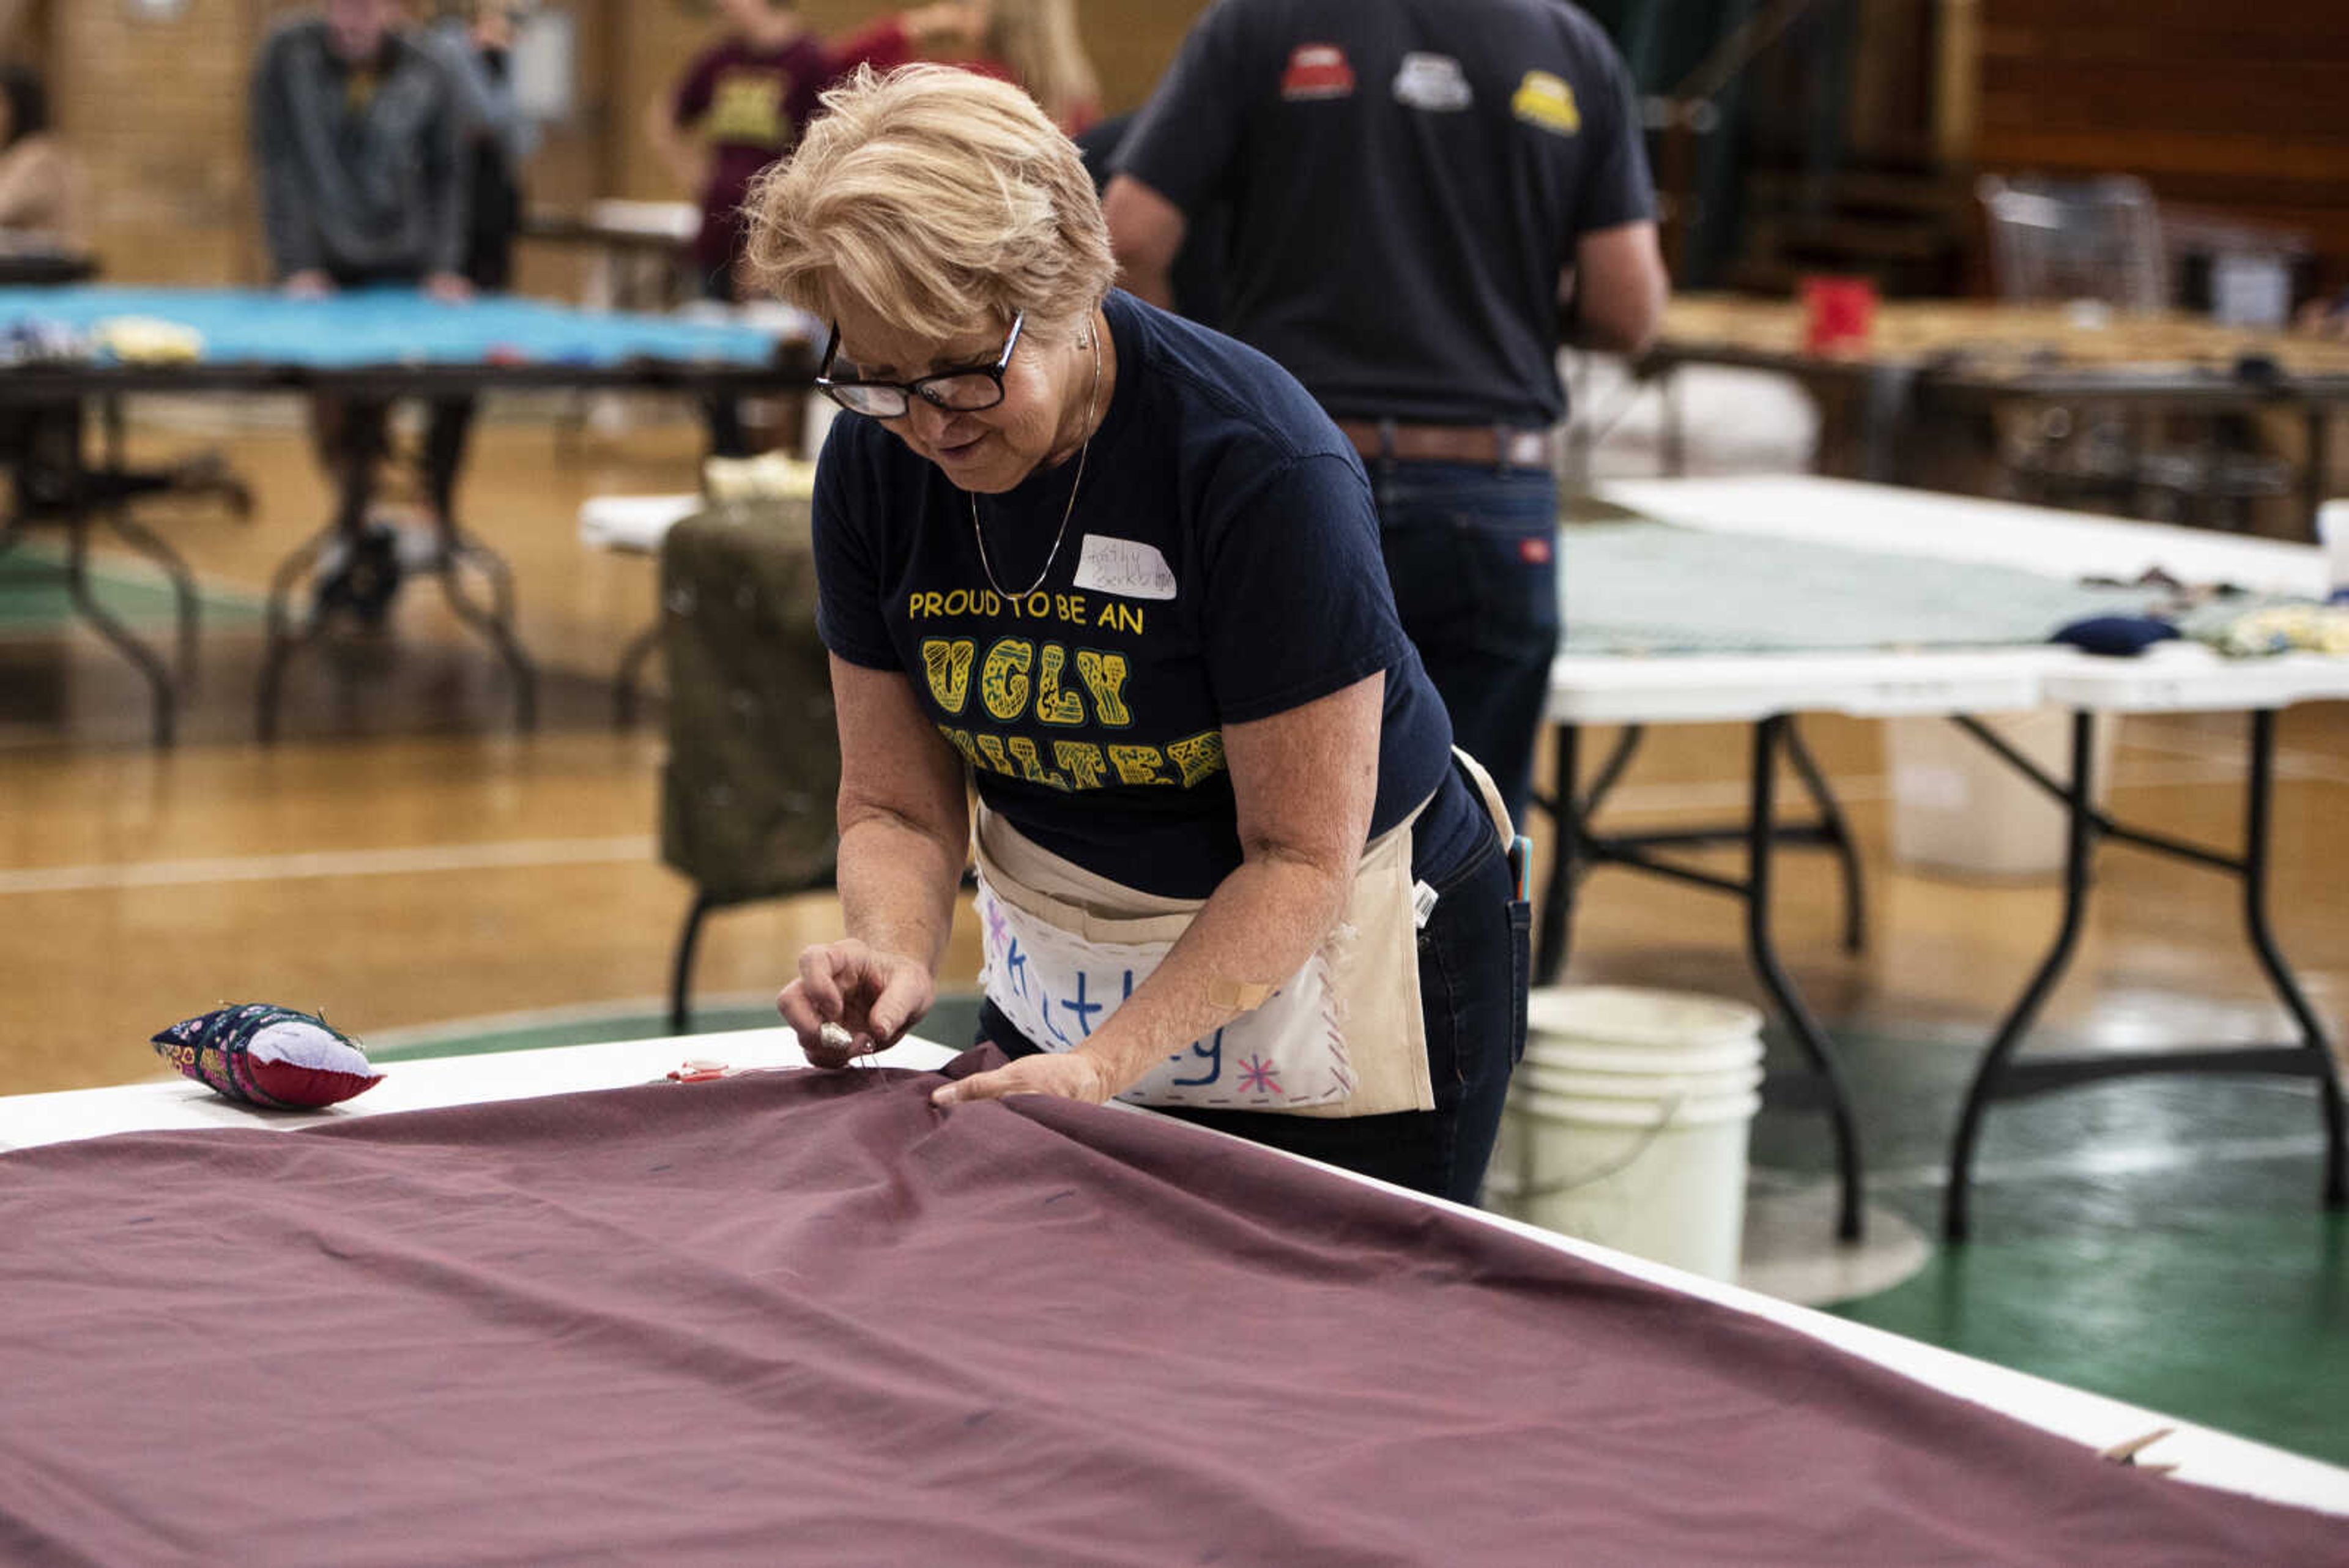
x=357 y=138
x=1423 y=196
x=41 y=210
x=41 y=185
x=474 y=43
x=1031 y=44
x=741 y=104
x=357 y=134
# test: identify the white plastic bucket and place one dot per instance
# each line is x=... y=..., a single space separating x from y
x=1627 y=1123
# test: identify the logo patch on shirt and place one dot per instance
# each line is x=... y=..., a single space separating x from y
x=1433 y=82
x=747 y=106
x=1534 y=552
x=1125 y=567
x=1316 y=70
x=1547 y=100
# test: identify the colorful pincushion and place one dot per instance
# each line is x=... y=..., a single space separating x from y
x=264 y=1054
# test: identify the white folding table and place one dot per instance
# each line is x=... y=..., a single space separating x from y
x=1767 y=689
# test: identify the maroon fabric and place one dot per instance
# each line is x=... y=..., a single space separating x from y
x=809 y=1318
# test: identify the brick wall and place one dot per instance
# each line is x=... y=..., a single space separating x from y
x=2218 y=105
x=157 y=110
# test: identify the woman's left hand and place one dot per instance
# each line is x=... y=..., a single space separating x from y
x=1065 y=1075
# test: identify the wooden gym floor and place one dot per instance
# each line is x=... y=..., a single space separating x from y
x=402 y=858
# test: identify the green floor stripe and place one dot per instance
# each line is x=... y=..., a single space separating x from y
x=34 y=599
x=2228 y=1314
x=2216 y=1289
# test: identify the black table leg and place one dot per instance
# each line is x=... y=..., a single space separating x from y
x=630 y=674
x=496 y=622
x=2256 y=827
x=145 y=540
x=150 y=664
x=1565 y=861
x=2003 y=1075
x=81 y=501
x=1884 y=412
x=1824 y=1085
x=2079 y=848
x=1836 y=833
x=361 y=447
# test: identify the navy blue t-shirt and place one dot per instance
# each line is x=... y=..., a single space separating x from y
x=1221 y=565
x=1404 y=181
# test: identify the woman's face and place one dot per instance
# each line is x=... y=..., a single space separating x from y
x=1041 y=418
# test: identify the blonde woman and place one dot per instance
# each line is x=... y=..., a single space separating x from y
x=1031 y=44
x=1125 y=574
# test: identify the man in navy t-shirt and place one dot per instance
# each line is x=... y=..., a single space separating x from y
x=1424 y=196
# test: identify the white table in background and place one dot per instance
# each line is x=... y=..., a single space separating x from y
x=1767 y=690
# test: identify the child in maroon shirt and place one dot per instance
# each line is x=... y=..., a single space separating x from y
x=741 y=105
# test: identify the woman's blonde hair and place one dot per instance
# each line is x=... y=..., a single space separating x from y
x=940 y=199
x=1038 y=40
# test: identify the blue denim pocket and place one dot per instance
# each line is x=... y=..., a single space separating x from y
x=1472 y=966
x=1473 y=558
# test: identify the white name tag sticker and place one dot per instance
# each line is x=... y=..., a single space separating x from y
x=1126 y=568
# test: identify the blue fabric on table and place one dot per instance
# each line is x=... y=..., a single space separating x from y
x=2116 y=635
x=388 y=326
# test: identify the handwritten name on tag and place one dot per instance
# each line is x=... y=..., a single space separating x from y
x=1124 y=566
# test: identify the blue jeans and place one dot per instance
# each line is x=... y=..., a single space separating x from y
x=1472 y=967
x=1472 y=553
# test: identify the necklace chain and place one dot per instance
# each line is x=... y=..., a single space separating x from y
x=978 y=536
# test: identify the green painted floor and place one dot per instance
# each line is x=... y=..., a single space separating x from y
x=2159 y=1240
x=34 y=601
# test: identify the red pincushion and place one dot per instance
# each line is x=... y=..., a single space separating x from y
x=264 y=1054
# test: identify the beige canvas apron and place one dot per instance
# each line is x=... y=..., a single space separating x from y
x=1343 y=1037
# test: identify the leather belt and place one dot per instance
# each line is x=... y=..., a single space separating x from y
x=1491 y=446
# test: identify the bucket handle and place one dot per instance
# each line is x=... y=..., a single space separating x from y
x=1648 y=1137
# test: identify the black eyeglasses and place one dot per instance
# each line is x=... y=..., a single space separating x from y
x=963 y=391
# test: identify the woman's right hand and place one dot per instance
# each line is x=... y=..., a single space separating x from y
x=877 y=996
